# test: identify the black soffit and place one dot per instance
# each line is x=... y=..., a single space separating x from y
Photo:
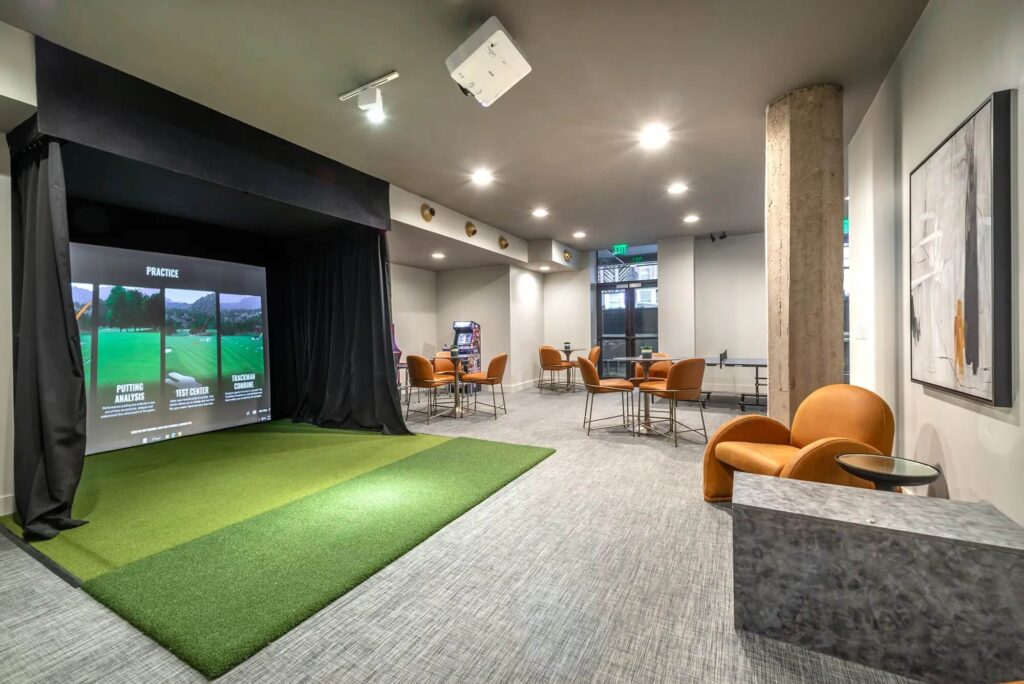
x=157 y=151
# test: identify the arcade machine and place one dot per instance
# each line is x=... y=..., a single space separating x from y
x=467 y=342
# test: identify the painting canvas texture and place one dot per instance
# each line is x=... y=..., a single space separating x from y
x=951 y=263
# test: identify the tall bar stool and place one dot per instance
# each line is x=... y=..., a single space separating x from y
x=421 y=375
x=551 y=361
x=683 y=383
x=494 y=375
x=595 y=385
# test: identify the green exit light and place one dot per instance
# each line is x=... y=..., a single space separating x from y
x=846 y=226
x=620 y=250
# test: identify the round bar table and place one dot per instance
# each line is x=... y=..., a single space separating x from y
x=888 y=472
x=568 y=353
x=645 y=427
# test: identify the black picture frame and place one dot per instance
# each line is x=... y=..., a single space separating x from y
x=1002 y=226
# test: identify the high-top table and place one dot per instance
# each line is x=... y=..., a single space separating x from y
x=569 y=352
x=645 y=427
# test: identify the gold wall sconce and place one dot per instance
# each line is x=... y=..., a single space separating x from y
x=567 y=255
x=470 y=229
x=502 y=242
x=427 y=212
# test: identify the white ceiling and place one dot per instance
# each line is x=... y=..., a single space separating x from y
x=564 y=137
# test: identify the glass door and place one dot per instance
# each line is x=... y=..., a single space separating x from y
x=627 y=321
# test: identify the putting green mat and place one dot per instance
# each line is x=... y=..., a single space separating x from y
x=215 y=545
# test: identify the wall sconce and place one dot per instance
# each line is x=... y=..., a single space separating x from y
x=502 y=242
x=470 y=229
x=567 y=255
x=427 y=212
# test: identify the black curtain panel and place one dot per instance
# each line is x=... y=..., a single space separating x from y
x=344 y=374
x=49 y=390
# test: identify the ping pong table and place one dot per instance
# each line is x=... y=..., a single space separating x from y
x=723 y=360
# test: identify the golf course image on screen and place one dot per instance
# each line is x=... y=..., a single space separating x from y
x=241 y=345
x=128 y=363
x=81 y=297
x=190 y=338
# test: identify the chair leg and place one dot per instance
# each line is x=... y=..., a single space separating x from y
x=590 y=415
x=703 y=425
x=675 y=428
x=586 y=404
x=494 y=402
x=503 y=408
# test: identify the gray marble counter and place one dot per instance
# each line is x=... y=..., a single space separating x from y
x=972 y=523
x=927 y=588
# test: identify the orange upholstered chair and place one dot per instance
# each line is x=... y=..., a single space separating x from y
x=493 y=376
x=421 y=375
x=684 y=382
x=443 y=364
x=594 y=356
x=595 y=386
x=658 y=371
x=832 y=420
x=551 y=361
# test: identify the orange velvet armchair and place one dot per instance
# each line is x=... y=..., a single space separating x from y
x=832 y=420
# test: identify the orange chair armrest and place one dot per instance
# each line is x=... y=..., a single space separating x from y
x=752 y=428
x=817 y=461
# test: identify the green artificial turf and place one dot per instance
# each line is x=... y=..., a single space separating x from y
x=126 y=356
x=147 y=499
x=192 y=355
x=217 y=544
x=240 y=354
x=218 y=599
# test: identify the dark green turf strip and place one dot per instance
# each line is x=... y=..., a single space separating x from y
x=218 y=599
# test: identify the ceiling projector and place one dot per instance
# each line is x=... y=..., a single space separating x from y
x=488 y=63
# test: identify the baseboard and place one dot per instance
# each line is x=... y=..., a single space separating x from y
x=6 y=504
x=524 y=385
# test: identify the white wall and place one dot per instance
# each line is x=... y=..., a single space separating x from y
x=959 y=53
x=676 y=290
x=872 y=277
x=476 y=294
x=730 y=307
x=414 y=309
x=6 y=353
x=17 y=65
x=569 y=305
x=527 y=326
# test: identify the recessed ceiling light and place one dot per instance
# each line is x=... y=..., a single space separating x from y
x=677 y=188
x=539 y=212
x=545 y=268
x=437 y=255
x=482 y=177
x=579 y=234
x=691 y=218
x=654 y=136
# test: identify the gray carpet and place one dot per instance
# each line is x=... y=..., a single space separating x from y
x=603 y=563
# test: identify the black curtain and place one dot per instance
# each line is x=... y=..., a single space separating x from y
x=49 y=390
x=343 y=371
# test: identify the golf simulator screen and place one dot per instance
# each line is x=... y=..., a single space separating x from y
x=172 y=345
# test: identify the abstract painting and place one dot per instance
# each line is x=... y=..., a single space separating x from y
x=960 y=260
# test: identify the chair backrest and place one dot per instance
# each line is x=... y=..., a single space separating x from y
x=589 y=372
x=595 y=354
x=844 y=411
x=549 y=357
x=686 y=375
x=496 y=368
x=419 y=369
x=658 y=370
x=443 y=361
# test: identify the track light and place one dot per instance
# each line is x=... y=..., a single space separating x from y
x=371 y=101
x=712 y=237
x=722 y=235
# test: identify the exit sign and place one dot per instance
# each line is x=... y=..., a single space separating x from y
x=620 y=250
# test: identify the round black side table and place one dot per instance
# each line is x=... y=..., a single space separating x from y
x=888 y=472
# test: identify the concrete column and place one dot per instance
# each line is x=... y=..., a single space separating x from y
x=804 y=244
